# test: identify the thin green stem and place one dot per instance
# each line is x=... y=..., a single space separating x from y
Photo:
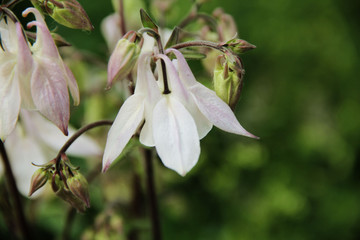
x=200 y=43
x=14 y=192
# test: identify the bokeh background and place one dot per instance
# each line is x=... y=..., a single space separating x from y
x=301 y=96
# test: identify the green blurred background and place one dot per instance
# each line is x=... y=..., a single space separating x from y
x=301 y=96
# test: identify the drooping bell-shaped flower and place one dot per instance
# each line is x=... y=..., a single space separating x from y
x=50 y=78
x=15 y=71
x=175 y=120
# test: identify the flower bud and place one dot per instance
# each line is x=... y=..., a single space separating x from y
x=38 y=179
x=79 y=187
x=239 y=46
x=69 y=13
x=228 y=80
x=123 y=58
x=62 y=192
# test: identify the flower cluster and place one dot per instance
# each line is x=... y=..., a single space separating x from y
x=33 y=76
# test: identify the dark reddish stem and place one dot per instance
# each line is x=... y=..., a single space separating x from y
x=78 y=134
x=154 y=212
x=14 y=192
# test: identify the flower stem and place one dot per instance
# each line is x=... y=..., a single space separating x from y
x=163 y=67
x=154 y=213
x=200 y=43
x=14 y=192
x=78 y=134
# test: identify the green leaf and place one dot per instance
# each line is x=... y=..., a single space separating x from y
x=174 y=38
x=147 y=22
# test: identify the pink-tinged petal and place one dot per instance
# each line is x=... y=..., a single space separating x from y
x=176 y=139
x=217 y=111
x=49 y=92
x=24 y=59
x=44 y=44
x=9 y=95
x=24 y=69
x=129 y=118
x=72 y=84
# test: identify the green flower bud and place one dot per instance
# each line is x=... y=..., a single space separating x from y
x=78 y=185
x=124 y=57
x=38 y=179
x=239 y=46
x=228 y=80
x=62 y=192
x=69 y=13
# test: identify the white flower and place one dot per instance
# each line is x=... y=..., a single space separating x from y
x=36 y=79
x=37 y=140
x=174 y=122
x=50 y=78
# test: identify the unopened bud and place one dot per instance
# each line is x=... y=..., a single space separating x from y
x=124 y=57
x=62 y=192
x=38 y=179
x=239 y=46
x=228 y=80
x=69 y=13
x=79 y=187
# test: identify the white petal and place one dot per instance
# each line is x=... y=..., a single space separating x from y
x=217 y=111
x=22 y=151
x=185 y=72
x=9 y=96
x=146 y=85
x=44 y=44
x=49 y=135
x=175 y=135
x=129 y=118
x=72 y=84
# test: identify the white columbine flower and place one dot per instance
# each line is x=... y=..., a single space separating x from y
x=50 y=78
x=174 y=122
x=37 y=140
x=36 y=79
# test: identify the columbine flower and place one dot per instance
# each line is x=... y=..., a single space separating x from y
x=15 y=72
x=37 y=140
x=36 y=79
x=50 y=77
x=174 y=122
